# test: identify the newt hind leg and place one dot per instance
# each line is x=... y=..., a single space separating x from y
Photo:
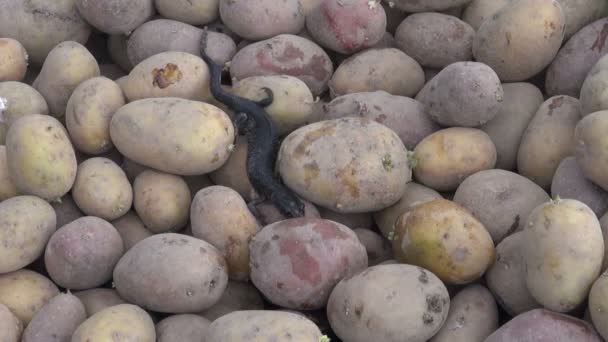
x=268 y=100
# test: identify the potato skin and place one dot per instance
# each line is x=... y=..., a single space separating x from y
x=262 y=325
x=593 y=91
x=443 y=237
x=10 y=325
x=13 y=60
x=195 y=273
x=66 y=210
x=67 y=65
x=184 y=327
x=179 y=136
x=26 y=225
x=237 y=296
x=198 y=12
x=520 y=102
x=7 y=186
x=378 y=248
x=25 y=292
x=427 y=6
x=548 y=139
x=284 y=54
x=464 y=94
x=561 y=281
x=501 y=200
x=580 y=13
x=116 y=16
x=296 y=262
x=398 y=74
x=446 y=157
x=417 y=33
x=89 y=111
x=220 y=216
x=21 y=99
x=128 y=321
x=591 y=146
x=57 y=320
x=233 y=173
x=378 y=305
x=598 y=304
x=541 y=325
x=520 y=39
x=95 y=300
x=131 y=229
x=346 y=26
x=477 y=11
x=40 y=157
x=368 y=159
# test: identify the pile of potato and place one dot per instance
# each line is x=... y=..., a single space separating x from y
x=452 y=156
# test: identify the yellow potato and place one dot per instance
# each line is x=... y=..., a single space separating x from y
x=25 y=292
x=591 y=150
x=13 y=60
x=125 y=321
x=7 y=186
x=598 y=304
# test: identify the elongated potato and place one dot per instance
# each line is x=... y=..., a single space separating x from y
x=570 y=182
x=591 y=149
x=177 y=136
x=128 y=321
x=20 y=99
x=548 y=139
x=594 y=94
x=25 y=292
x=67 y=65
x=13 y=60
x=40 y=157
x=557 y=280
x=57 y=320
x=521 y=38
x=7 y=186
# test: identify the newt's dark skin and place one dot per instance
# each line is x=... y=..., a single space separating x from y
x=262 y=141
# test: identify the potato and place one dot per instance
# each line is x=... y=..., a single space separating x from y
x=173 y=273
x=197 y=12
x=351 y=220
x=473 y=316
x=292 y=100
x=598 y=305
x=580 y=13
x=26 y=225
x=445 y=158
x=521 y=39
x=40 y=25
x=544 y=325
x=7 y=186
x=220 y=216
x=25 y=292
x=40 y=157
x=185 y=327
x=414 y=194
x=233 y=173
x=267 y=212
x=57 y=320
x=13 y=63
x=284 y=54
x=427 y=6
x=477 y=11
x=295 y=263
x=10 y=326
x=178 y=136
x=262 y=19
x=89 y=111
x=125 y=321
x=520 y=102
x=116 y=16
x=66 y=210
x=388 y=303
x=161 y=200
x=501 y=200
x=117 y=49
x=102 y=189
x=572 y=64
x=349 y=165
x=443 y=237
x=548 y=139
x=131 y=229
x=570 y=182
x=82 y=254
x=594 y=96
x=591 y=147
x=169 y=74
x=417 y=33
x=67 y=65
x=505 y=278
x=557 y=280
x=237 y=296
x=378 y=249
x=20 y=99
x=465 y=94
x=95 y=300
x=397 y=74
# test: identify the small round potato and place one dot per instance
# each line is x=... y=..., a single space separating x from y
x=557 y=280
x=89 y=111
x=183 y=328
x=131 y=229
x=7 y=186
x=40 y=156
x=10 y=326
x=26 y=225
x=95 y=300
x=193 y=12
x=446 y=239
x=161 y=200
x=591 y=147
x=397 y=74
x=126 y=321
x=102 y=189
x=13 y=60
x=171 y=273
x=237 y=296
x=594 y=91
x=445 y=158
x=25 y=292
x=57 y=320
x=389 y=303
x=116 y=16
x=20 y=99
